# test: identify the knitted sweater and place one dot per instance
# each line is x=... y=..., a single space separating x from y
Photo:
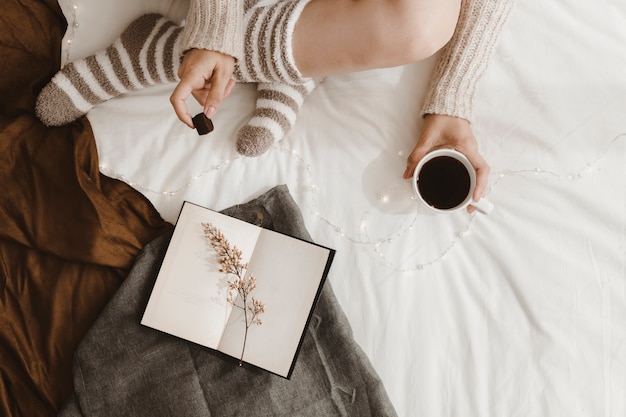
x=463 y=60
x=217 y=25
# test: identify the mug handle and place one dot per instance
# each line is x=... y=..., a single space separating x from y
x=483 y=205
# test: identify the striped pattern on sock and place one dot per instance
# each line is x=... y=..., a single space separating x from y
x=276 y=111
x=146 y=53
x=268 y=56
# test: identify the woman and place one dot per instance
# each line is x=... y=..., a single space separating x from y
x=339 y=36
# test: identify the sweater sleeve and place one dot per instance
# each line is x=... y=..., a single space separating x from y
x=216 y=25
x=464 y=59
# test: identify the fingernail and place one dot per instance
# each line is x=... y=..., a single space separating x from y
x=210 y=112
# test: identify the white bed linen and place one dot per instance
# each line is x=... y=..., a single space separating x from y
x=520 y=313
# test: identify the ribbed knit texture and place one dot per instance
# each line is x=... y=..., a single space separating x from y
x=215 y=25
x=463 y=60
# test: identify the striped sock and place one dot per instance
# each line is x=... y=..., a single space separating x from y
x=145 y=54
x=268 y=56
x=269 y=59
x=277 y=107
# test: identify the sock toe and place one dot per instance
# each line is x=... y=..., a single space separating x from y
x=254 y=140
x=55 y=108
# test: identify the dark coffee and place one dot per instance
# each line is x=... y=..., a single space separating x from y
x=444 y=182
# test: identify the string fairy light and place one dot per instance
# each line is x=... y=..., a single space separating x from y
x=420 y=266
x=147 y=190
x=72 y=26
x=363 y=238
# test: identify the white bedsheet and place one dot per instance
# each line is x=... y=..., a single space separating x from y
x=520 y=313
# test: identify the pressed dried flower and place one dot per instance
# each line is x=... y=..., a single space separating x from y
x=230 y=260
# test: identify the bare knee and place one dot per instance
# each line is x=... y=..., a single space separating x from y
x=411 y=30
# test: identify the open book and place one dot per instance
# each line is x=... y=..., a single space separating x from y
x=237 y=288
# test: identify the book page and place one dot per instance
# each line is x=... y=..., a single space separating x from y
x=189 y=296
x=288 y=274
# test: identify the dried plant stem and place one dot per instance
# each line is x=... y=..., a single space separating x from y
x=231 y=263
x=245 y=335
x=248 y=322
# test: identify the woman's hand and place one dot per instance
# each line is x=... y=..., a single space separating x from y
x=442 y=131
x=207 y=76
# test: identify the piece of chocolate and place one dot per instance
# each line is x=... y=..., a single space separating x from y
x=202 y=124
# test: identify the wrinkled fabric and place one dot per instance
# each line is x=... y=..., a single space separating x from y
x=68 y=235
x=125 y=369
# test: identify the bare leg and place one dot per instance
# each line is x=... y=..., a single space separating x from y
x=340 y=36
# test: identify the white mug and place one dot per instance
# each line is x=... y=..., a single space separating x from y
x=444 y=181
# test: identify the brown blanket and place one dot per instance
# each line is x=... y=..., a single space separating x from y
x=68 y=235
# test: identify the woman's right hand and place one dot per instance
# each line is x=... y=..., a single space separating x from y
x=207 y=76
x=441 y=131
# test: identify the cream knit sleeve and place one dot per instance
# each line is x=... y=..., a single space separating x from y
x=464 y=59
x=216 y=25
